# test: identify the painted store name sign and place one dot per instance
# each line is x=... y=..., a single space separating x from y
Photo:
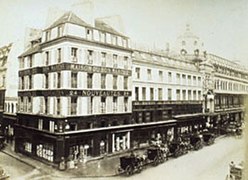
x=75 y=67
x=75 y=93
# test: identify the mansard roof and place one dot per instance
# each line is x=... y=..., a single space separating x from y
x=69 y=17
x=100 y=24
x=30 y=51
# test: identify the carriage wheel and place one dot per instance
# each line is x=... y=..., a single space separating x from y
x=129 y=170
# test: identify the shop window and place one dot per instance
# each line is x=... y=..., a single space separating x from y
x=45 y=151
x=28 y=147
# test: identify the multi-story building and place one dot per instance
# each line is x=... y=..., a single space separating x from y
x=225 y=85
x=8 y=86
x=166 y=88
x=74 y=92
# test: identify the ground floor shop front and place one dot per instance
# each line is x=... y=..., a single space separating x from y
x=80 y=146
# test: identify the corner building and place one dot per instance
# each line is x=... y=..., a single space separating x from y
x=74 y=92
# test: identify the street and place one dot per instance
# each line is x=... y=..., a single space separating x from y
x=15 y=168
x=209 y=163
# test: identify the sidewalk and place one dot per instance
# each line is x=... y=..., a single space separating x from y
x=104 y=167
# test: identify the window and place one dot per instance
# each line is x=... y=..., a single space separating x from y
x=114 y=40
x=59 y=55
x=46 y=105
x=169 y=94
x=51 y=126
x=149 y=74
x=89 y=34
x=125 y=82
x=194 y=95
x=90 y=105
x=189 y=80
x=58 y=106
x=30 y=60
x=143 y=93
x=199 y=95
x=48 y=35
x=46 y=81
x=184 y=79
x=28 y=147
x=30 y=82
x=74 y=54
x=178 y=94
x=199 y=81
x=137 y=72
x=136 y=93
x=73 y=105
x=60 y=31
x=47 y=58
x=125 y=62
x=40 y=124
x=194 y=80
x=189 y=95
x=151 y=94
x=169 y=76
x=160 y=94
x=115 y=104
x=74 y=79
x=103 y=59
x=89 y=80
x=114 y=82
x=178 y=78
x=160 y=74
x=90 y=56
x=115 y=61
x=58 y=80
x=103 y=104
x=103 y=81
x=125 y=104
x=102 y=37
x=184 y=94
x=21 y=63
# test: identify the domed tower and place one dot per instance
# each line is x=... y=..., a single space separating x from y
x=189 y=44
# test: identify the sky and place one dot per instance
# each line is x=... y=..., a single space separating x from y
x=221 y=24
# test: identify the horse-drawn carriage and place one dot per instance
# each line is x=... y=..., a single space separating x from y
x=156 y=155
x=177 y=148
x=130 y=164
x=196 y=142
x=208 y=138
x=235 y=172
